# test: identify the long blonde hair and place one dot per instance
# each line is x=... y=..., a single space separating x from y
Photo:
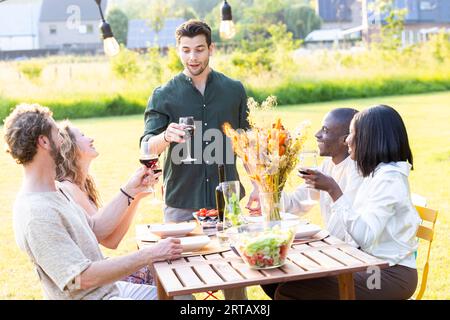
x=68 y=168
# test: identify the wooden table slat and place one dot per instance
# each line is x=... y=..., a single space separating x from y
x=273 y=272
x=304 y=262
x=290 y=268
x=208 y=274
x=246 y=271
x=359 y=254
x=195 y=258
x=214 y=256
x=181 y=261
x=301 y=247
x=170 y=280
x=226 y=271
x=188 y=276
x=333 y=240
x=322 y=259
x=341 y=256
x=317 y=244
x=229 y=254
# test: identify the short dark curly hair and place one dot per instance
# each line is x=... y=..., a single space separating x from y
x=23 y=127
x=192 y=28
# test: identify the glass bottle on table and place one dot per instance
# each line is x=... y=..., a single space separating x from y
x=220 y=204
x=220 y=201
x=232 y=214
x=307 y=160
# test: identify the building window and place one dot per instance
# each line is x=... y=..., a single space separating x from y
x=52 y=29
x=427 y=5
x=86 y=29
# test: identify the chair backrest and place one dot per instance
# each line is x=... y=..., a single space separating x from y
x=427 y=234
x=418 y=200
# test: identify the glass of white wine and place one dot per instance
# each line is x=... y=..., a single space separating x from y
x=308 y=160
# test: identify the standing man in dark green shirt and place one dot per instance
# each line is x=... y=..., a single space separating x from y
x=212 y=99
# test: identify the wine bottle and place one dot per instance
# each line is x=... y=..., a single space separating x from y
x=220 y=201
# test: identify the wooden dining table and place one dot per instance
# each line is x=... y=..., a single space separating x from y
x=226 y=270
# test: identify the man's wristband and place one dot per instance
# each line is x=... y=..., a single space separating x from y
x=164 y=135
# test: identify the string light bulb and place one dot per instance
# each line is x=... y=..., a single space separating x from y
x=110 y=45
x=227 y=29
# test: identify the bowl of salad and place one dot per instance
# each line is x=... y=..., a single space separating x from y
x=264 y=245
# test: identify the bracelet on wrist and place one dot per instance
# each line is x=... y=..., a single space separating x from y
x=130 y=198
x=164 y=135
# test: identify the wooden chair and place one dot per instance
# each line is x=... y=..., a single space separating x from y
x=426 y=233
x=210 y=294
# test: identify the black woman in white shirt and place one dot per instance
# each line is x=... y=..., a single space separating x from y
x=381 y=220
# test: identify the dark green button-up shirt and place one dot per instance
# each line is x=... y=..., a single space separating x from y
x=192 y=185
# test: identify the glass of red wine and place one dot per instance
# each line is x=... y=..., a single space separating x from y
x=149 y=158
x=189 y=128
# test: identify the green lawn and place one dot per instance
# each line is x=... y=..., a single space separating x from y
x=427 y=119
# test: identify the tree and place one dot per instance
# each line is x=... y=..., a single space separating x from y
x=157 y=15
x=301 y=20
x=393 y=24
x=119 y=24
x=200 y=7
x=134 y=9
x=266 y=12
x=187 y=13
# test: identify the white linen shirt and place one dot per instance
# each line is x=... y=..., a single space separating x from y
x=382 y=219
x=347 y=177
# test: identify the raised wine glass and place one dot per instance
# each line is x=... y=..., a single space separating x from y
x=189 y=128
x=308 y=160
x=149 y=157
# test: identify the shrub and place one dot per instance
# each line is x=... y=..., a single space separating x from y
x=310 y=91
x=173 y=61
x=257 y=60
x=153 y=65
x=31 y=69
x=125 y=65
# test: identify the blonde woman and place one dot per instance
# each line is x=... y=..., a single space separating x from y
x=78 y=151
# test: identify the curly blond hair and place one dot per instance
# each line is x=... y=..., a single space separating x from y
x=69 y=169
x=22 y=129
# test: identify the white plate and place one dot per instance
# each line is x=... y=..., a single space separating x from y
x=284 y=216
x=194 y=243
x=306 y=230
x=172 y=229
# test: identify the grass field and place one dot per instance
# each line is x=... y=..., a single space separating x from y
x=427 y=120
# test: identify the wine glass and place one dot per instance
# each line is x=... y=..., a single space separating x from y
x=149 y=157
x=189 y=128
x=308 y=160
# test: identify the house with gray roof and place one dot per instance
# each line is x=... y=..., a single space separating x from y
x=71 y=25
x=50 y=26
x=353 y=19
x=142 y=36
